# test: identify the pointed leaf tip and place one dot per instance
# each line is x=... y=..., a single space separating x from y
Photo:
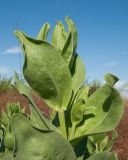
x=20 y=35
x=111 y=79
x=43 y=33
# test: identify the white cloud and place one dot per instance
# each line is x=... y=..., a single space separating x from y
x=111 y=64
x=13 y=50
x=122 y=84
x=122 y=87
x=4 y=70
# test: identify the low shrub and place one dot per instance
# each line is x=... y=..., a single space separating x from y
x=5 y=84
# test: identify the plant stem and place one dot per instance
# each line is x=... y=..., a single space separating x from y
x=73 y=130
x=62 y=123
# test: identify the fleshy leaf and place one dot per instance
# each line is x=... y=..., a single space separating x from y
x=37 y=122
x=72 y=29
x=111 y=79
x=59 y=36
x=82 y=93
x=33 y=144
x=4 y=119
x=8 y=138
x=77 y=111
x=79 y=74
x=46 y=72
x=68 y=49
x=77 y=114
x=107 y=114
x=42 y=35
x=44 y=124
x=103 y=156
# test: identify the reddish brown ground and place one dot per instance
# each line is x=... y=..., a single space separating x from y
x=121 y=145
x=14 y=96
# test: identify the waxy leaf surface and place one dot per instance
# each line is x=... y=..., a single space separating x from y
x=79 y=74
x=111 y=79
x=46 y=72
x=106 y=115
x=37 y=118
x=33 y=144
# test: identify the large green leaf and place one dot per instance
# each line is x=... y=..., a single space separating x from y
x=33 y=144
x=104 y=156
x=106 y=115
x=59 y=36
x=46 y=71
x=42 y=35
x=37 y=118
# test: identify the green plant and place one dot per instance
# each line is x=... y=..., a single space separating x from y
x=101 y=142
x=5 y=84
x=57 y=73
x=6 y=134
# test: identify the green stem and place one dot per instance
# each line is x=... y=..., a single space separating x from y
x=62 y=123
x=97 y=150
x=73 y=130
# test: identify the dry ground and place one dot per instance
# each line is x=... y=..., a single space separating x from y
x=121 y=145
x=14 y=96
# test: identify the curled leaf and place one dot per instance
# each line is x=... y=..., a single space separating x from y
x=106 y=115
x=111 y=79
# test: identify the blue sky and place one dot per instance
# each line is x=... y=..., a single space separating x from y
x=102 y=29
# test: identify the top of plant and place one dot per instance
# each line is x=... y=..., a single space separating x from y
x=57 y=73
x=53 y=69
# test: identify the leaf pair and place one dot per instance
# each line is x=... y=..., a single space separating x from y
x=64 y=42
x=104 y=111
